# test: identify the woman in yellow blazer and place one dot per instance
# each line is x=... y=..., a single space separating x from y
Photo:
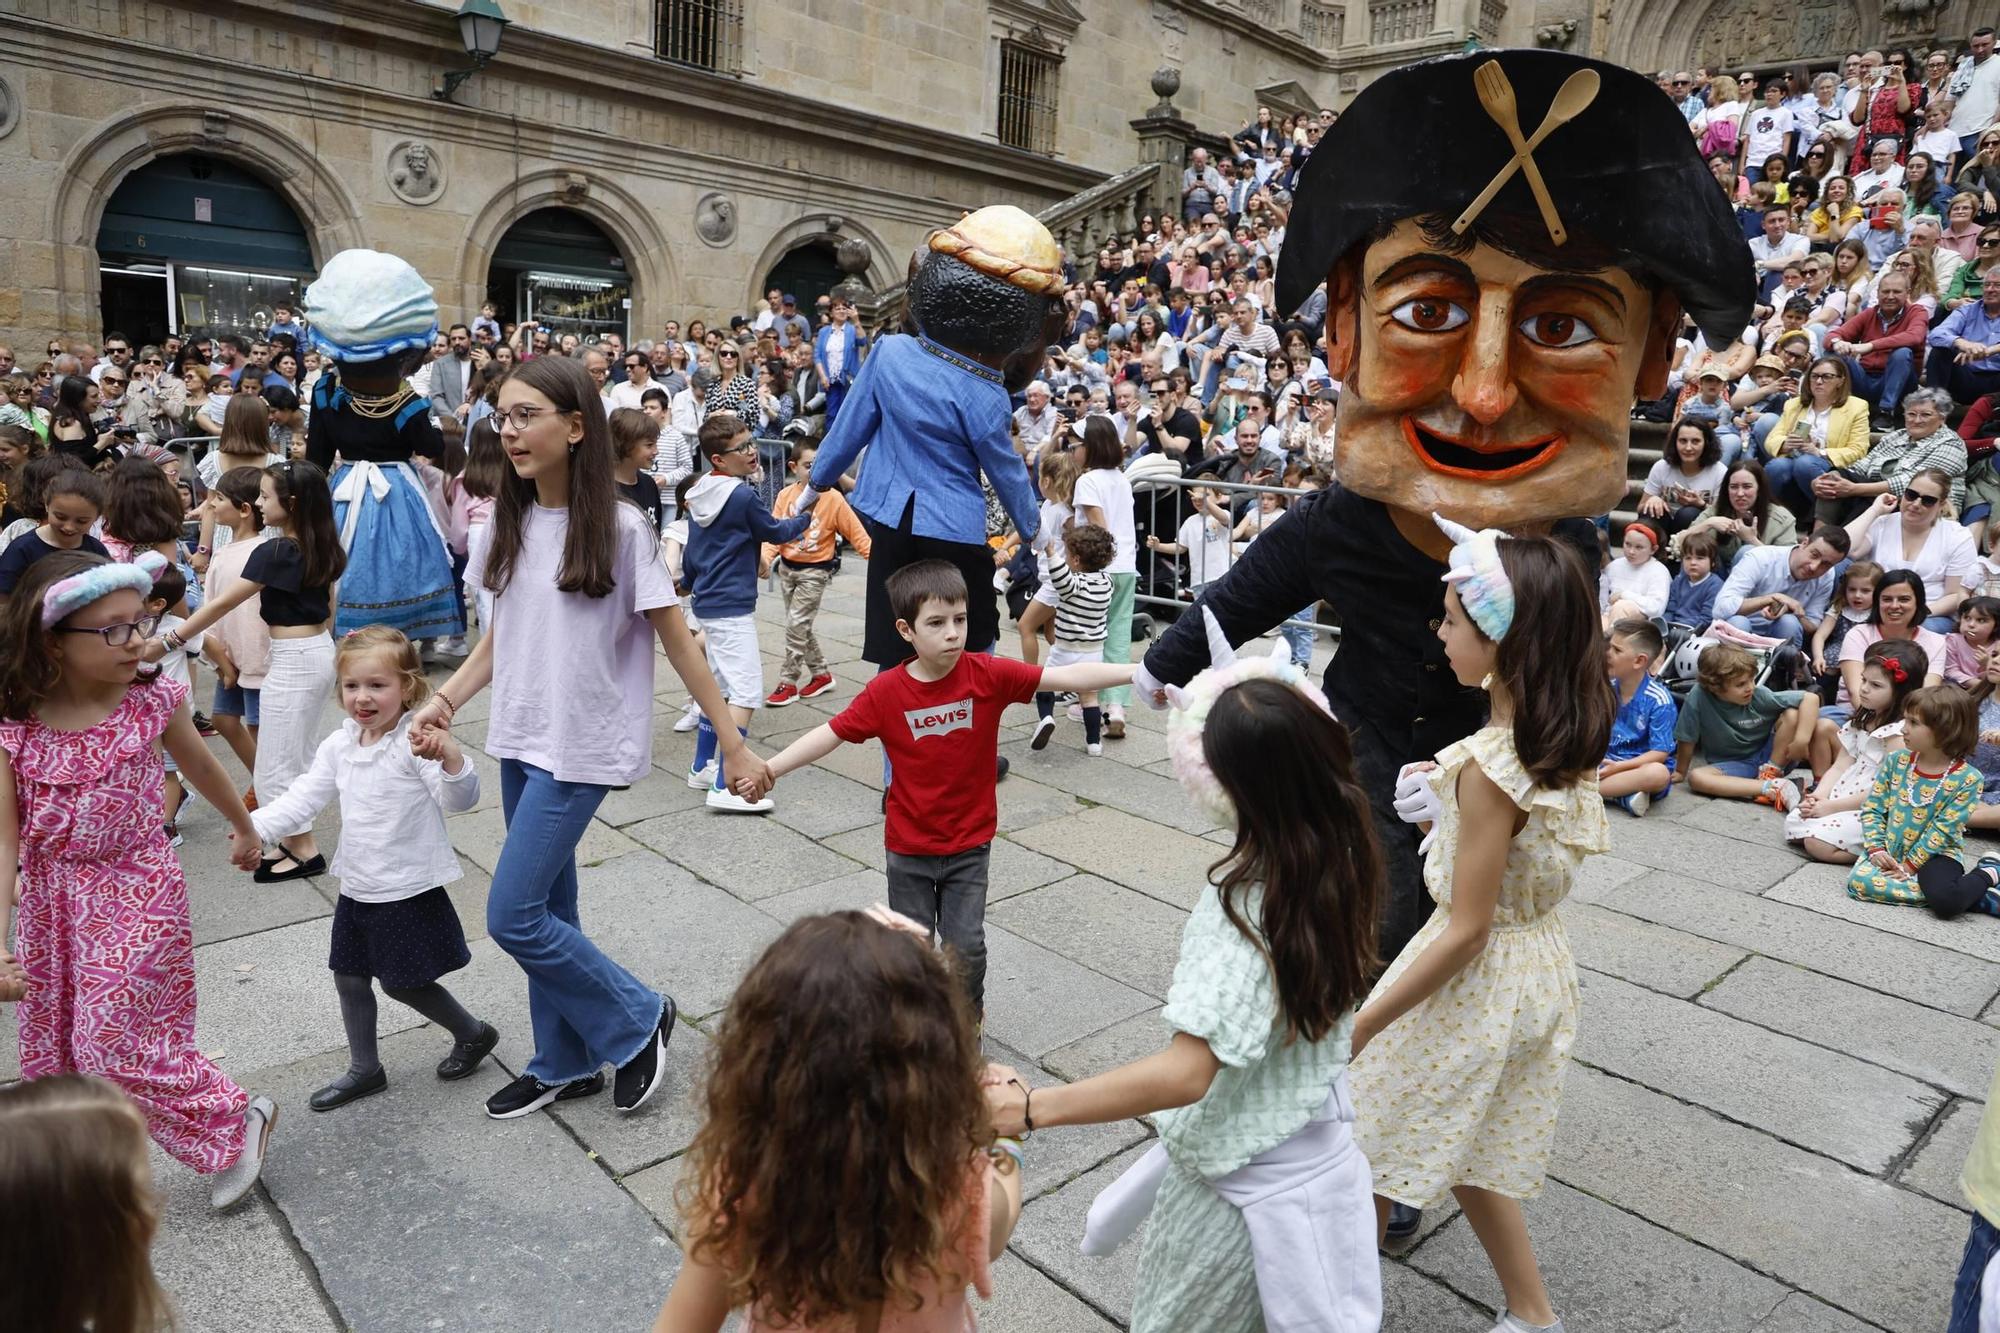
x=1824 y=428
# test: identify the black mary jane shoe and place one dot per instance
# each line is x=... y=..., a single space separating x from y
x=343 y=1091
x=300 y=870
x=466 y=1055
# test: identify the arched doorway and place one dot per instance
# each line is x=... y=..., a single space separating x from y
x=560 y=269
x=195 y=242
x=808 y=271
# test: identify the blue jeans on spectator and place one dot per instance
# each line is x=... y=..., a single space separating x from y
x=1980 y=1246
x=1731 y=442
x=1963 y=383
x=1791 y=479
x=1942 y=624
x=586 y=1010
x=1298 y=632
x=1884 y=391
x=1760 y=430
x=1784 y=627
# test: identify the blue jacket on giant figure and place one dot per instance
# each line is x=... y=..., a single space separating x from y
x=931 y=407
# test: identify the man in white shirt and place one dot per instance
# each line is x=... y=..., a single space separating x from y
x=1777 y=247
x=774 y=301
x=631 y=391
x=1768 y=130
x=1975 y=89
x=1862 y=86
x=1884 y=171
x=1035 y=422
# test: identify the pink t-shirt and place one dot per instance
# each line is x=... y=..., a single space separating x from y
x=573 y=675
x=942 y=1311
x=1858 y=640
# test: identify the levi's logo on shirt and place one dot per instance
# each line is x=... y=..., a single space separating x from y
x=939 y=719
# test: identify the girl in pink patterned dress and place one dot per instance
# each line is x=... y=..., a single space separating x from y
x=105 y=938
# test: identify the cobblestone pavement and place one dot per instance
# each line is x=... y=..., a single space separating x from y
x=1774 y=1086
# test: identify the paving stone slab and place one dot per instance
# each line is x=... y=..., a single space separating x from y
x=1817 y=890
x=358 y=1184
x=1956 y=1054
x=1014 y=868
x=1024 y=802
x=479 y=835
x=1819 y=1099
x=654 y=1189
x=1609 y=1271
x=1934 y=1168
x=856 y=892
x=659 y=1130
x=1164 y=862
x=232 y=1270
x=1653 y=956
x=820 y=803
x=1051 y=1228
x=1693 y=853
x=1135 y=1038
x=1037 y=1000
x=1110 y=783
x=1920 y=972
x=1800 y=1313
x=1598 y=875
x=226 y=904
x=1766 y=1203
x=750 y=857
x=468 y=895
x=1745 y=820
x=283 y=1007
x=1414 y=1303
x=1025 y=1300
x=658 y=793
x=1111 y=929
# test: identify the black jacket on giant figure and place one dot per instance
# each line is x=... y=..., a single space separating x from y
x=1491 y=338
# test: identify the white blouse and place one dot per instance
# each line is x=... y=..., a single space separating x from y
x=1950 y=552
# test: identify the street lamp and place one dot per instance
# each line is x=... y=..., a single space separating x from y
x=480 y=27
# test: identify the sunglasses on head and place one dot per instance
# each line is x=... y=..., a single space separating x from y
x=1918 y=497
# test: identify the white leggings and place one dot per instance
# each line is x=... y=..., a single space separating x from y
x=295 y=692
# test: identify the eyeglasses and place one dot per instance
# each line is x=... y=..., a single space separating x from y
x=747 y=447
x=1824 y=375
x=1919 y=498
x=154 y=361
x=521 y=416
x=109 y=381
x=634 y=365
x=116 y=636
x=109 y=350
x=727 y=355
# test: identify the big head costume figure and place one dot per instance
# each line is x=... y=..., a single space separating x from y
x=1508 y=240
x=932 y=407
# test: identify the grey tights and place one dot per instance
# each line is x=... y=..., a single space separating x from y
x=357 y=1014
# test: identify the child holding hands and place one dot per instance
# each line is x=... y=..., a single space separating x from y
x=104 y=934
x=394 y=922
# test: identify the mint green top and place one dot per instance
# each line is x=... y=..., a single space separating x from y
x=1225 y=993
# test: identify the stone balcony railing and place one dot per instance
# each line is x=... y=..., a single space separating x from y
x=1391 y=21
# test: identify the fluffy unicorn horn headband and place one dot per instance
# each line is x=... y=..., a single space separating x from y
x=1192 y=702
x=64 y=597
x=1481 y=580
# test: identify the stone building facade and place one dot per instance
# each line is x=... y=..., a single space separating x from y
x=625 y=162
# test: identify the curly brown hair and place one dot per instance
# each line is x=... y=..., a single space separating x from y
x=844 y=1085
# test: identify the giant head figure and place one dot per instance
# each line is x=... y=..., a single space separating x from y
x=1509 y=240
x=990 y=288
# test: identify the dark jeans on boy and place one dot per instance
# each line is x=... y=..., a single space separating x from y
x=1980 y=1247
x=947 y=896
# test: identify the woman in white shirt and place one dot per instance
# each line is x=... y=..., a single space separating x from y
x=1909 y=531
x=1104 y=497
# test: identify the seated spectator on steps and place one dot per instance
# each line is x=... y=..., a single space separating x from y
x=1691 y=595
x=1823 y=428
x=1880 y=346
x=1638 y=766
x=1745 y=514
x=1908 y=531
x=1964 y=356
x=1925 y=441
x=1782 y=591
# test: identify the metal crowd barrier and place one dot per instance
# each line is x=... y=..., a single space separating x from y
x=1160 y=505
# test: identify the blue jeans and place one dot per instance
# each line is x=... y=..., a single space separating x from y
x=1884 y=391
x=1791 y=479
x=586 y=1010
x=1732 y=444
x=1298 y=632
x=1980 y=1246
x=1784 y=627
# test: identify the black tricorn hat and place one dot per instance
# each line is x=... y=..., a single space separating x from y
x=1623 y=171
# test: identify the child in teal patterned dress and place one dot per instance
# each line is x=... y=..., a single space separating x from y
x=1913 y=824
x=1258 y=1197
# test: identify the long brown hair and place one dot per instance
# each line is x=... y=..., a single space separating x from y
x=74 y=1175
x=590 y=546
x=1552 y=662
x=246 y=427
x=844 y=1114
x=29 y=668
x=1304 y=835
x=308 y=503
x=141 y=507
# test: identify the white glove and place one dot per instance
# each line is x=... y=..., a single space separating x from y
x=1417 y=801
x=1148 y=690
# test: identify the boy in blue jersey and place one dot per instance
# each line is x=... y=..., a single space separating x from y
x=1638 y=767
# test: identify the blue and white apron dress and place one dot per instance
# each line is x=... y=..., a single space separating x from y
x=398 y=566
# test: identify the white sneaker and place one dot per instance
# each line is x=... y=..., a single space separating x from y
x=1076 y=712
x=452 y=647
x=1639 y=803
x=1044 y=728
x=702 y=777
x=1513 y=1323
x=1093 y=747
x=690 y=718
x=240 y=1177
x=730 y=803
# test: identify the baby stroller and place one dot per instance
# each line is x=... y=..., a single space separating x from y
x=1780 y=665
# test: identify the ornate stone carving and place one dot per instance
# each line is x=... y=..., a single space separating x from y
x=416 y=172
x=10 y=108
x=1760 y=32
x=1911 y=20
x=1166 y=82
x=576 y=187
x=715 y=219
x=1558 y=36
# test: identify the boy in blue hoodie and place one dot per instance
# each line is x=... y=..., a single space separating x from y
x=726 y=532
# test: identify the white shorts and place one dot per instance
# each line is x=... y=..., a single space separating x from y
x=1066 y=653
x=734 y=660
x=1045 y=593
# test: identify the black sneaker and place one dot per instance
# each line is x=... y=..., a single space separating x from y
x=203 y=726
x=640 y=1077
x=526 y=1093
x=582 y=1087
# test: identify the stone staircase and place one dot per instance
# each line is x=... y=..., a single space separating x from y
x=1649 y=441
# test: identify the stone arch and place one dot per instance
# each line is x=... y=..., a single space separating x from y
x=100 y=160
x=1652 y=35
x=884 y=268
x=623 y=217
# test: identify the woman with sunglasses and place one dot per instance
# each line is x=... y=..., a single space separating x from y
x=1906 y=530
x=1969 y=282
x=735 y=388
x=1981 y=175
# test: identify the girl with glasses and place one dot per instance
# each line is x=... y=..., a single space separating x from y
x=104 y=931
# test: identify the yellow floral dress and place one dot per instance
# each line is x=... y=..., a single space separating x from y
x=1464 y=1089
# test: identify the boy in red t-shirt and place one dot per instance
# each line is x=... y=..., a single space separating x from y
x=938 y=717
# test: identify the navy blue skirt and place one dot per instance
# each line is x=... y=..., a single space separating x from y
x=401 y=944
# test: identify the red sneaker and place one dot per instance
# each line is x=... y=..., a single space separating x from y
x=786 y=693
x=817 y=686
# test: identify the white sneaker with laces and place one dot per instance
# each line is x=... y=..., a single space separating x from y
x=1093 y=747
x=730 y=803
x=702 y=777
x=690 y=718
x=1044 y=728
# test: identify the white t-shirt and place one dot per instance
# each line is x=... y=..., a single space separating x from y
x=1949 y=551
x=1048 y=544
x=1939 y=144
x=572 y=674
x=1766 y=128
x=1206 y=541
x=1645 y=586
x=1110 y=491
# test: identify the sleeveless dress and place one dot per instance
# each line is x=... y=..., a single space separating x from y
x=1843 y=829
x=1464 y=1089
x=104 y=932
